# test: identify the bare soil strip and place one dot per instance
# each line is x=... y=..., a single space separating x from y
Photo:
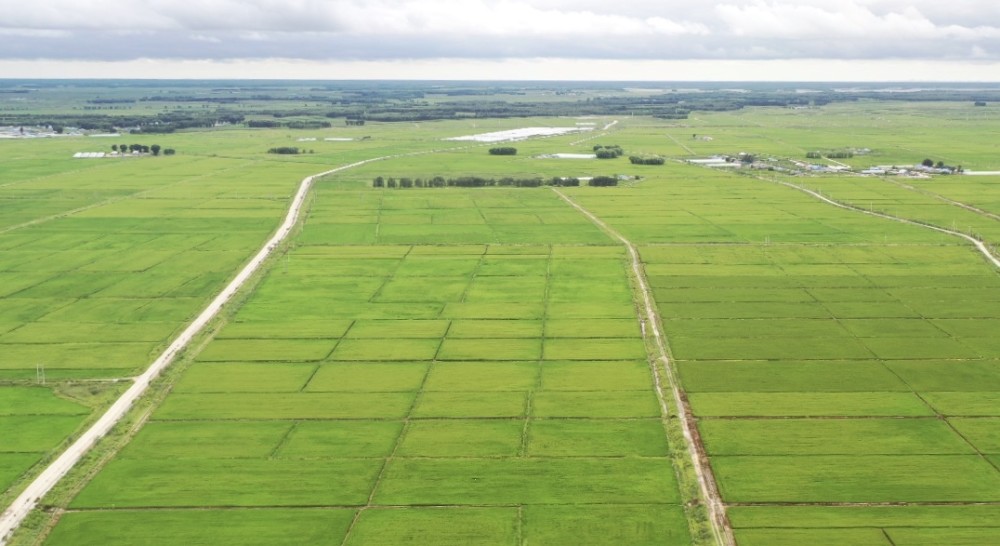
x=706 y=479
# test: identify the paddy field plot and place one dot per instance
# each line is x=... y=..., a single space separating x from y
x=489 y=385
x=100 y=264
x=465 y=366
x=831 y=359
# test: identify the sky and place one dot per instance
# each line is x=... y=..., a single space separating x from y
x=656 y=40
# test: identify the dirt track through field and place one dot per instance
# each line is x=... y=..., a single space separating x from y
x=980 y=246
x=706 y=479
x=938 y=196
x=28 y=499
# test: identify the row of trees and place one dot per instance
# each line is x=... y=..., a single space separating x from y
x=646 y=160
x=142 y=149
x=289 y=150
x=503 y=150
x=608 y=152
x=832 y=154
x=473 y=182
x=271 y=124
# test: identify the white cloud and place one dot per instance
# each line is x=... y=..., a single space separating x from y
x=483 y=29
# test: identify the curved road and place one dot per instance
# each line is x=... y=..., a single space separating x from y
x=27 y=500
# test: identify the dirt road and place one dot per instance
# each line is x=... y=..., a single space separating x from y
x=26 y=501
x=706 y=479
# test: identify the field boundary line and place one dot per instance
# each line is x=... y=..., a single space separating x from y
x=706 y=478
x=19 y=509
x=946 y=199
x=111 y=200
x=980 y=245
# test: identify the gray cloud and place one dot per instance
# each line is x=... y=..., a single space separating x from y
x=481 y=29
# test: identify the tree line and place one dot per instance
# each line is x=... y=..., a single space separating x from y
x=270 y=124
x=832 y=154
x=142 y=149
x=480 y=182
x=503 y=150
x=289 y=150
x=646 y=160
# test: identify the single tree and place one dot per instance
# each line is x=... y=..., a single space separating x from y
x=155 y=148
x=927 y=162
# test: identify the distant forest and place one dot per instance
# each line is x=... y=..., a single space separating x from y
x=168 y=106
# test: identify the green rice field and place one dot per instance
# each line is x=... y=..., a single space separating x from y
x=469 y=366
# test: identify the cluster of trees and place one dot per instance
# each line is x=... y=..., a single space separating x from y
x=603 y=181
x=503 y=150
x=646 y=160
x=472 y=182
x=354 y=122
x=142 y=149
x=832 y=154
x=168 y=122
x=930 y=164
x=289 y=150
x=608 y=152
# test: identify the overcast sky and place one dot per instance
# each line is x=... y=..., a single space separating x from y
x=506 y=39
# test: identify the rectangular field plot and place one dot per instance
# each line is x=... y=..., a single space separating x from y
x=13 y=465
x=444 y=526
x=207 y=440
x=809 y=404
x=230 y=482
x=35 y=433
x=284 y=406
x=480 y=376
x=596 y=438
x=528 y=481
x=594 y=525
x=793 y=537
x=268 y=350
x=866 y=478
x=463 y=438
x=826 y=374
x=368 y=377
x=792 y=376
x=263 y=527
x=340 y=439
x=232 y=377
x=832 y=437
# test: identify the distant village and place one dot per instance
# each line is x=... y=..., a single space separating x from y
x=748 y=161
